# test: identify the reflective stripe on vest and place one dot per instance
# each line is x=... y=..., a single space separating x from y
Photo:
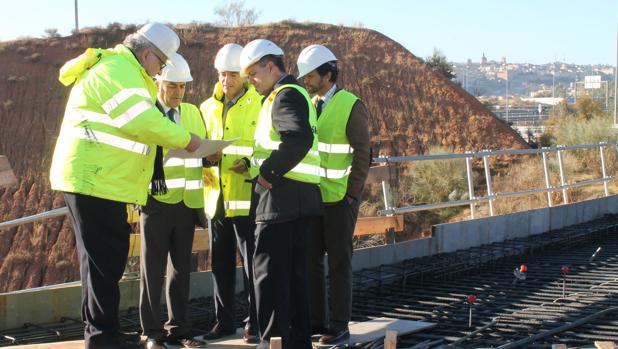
x=309 y=169
x=188 y=163
x=237 y=205
x=335 y=174
x=109 y=139
x=335 y=148
x=238 y=150
x=267 y=139
x=119 y=121
x=122 y=96
x=183 y=183
x=336 y=154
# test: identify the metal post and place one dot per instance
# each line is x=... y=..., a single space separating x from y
x=470 y=184
x=386 y=193
x=507 y=95
x=547 y=181
x=616 y=79
x=488 y=180
x=76 y=19
x=563 y=183
x=553 y=87
x=607 y=96
x=603 y=168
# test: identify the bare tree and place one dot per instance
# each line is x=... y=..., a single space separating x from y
x=234 y=14
x=52 y=33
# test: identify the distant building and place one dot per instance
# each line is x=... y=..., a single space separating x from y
x=483 y=60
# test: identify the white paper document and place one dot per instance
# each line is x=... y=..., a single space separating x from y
x=207 y=147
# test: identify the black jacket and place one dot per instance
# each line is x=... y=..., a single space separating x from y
x=288 y=199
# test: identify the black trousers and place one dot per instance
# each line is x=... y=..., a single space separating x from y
x=332 y=235
x=102 y=242
x=280 y=276
x=167 y=232
x=226 y=235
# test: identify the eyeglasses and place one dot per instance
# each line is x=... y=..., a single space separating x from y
x=163 y=64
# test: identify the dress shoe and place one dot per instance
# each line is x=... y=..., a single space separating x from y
x=249 y=335
x=317 y=332
x=187 y=342
x=130 y=337
x=219 y=331
x=334 y=336
x=154 y=343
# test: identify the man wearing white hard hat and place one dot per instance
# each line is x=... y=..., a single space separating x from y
x=168 y=222
x=231 y=113
x=106 y=155
x=344 y=147
x=286 y=165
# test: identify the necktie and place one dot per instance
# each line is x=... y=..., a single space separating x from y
x=318 y=107
x=170 y=115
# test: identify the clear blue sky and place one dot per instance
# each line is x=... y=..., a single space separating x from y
x=535 y=31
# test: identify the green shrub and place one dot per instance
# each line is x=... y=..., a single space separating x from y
x=432 y=181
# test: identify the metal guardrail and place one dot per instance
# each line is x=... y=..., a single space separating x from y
x=468 y=156
x=491 y=196
x=34 y=218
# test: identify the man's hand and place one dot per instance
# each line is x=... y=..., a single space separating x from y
x=209 y=177
x=239 y=166
x=264 y=183
x=194 y=143
x=350 y=199
x=213 y=158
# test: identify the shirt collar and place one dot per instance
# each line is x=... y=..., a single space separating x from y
x=328 y=95
x=166 y=108
x=235 y=99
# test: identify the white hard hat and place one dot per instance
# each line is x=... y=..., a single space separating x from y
x=228 y=58
x=176 y=71
x=255 y=50
x=312 y=57
x=162 y=37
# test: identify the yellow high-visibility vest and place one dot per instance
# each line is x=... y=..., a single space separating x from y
x=240 y=122
x=111 y=126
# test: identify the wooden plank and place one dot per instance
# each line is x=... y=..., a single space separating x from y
x=378 y=174
x=200 y=242
x=390 y=340
x=275 y=342
x=79 y=344
x=367 y=331
x=378 y=225
x=604 y=345
x=7 y=177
